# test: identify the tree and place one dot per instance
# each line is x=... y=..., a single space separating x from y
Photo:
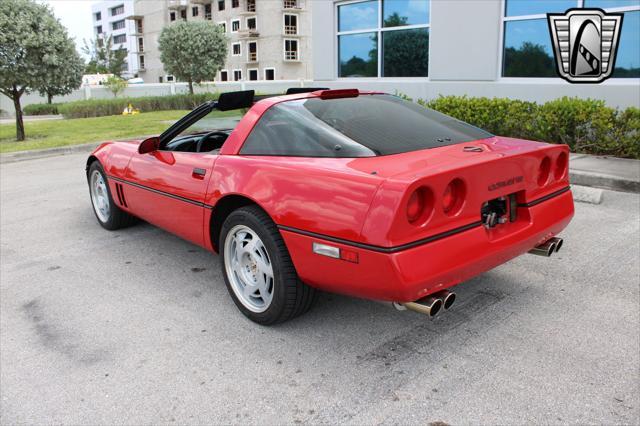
x=395 y=20
x=33 y=47
x=530 y=60
x=104 y=59
x=406 y=53
x=359 y=67
x=193 y=51
x=116 y=85
x=67 y=77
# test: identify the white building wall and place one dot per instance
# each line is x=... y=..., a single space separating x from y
x=465 y=59
x=463 y=45
x=106 y=22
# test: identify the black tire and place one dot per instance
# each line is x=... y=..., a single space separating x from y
x=118 y=218
x=291 y=297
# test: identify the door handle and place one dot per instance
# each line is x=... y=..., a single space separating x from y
x=198 y=173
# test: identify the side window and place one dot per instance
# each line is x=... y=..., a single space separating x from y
x=290 y=130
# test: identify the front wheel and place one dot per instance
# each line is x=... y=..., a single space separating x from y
x=109 y=215
x=258 y=270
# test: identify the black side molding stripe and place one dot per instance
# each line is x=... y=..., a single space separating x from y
x=379 y=249
x=545 y=198
x=166 y=194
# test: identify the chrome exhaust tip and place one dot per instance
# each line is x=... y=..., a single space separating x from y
x=448 y=297
x=429 y=306
x=558 y=242
x=545 y=249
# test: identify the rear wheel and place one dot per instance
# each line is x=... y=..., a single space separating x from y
x=258 y=270
x=109 y=215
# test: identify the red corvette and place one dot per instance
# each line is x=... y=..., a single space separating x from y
x=359 y=193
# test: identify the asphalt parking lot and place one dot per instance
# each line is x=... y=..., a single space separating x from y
x=136 y=327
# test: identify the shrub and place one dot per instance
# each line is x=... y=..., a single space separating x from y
x=41 y=109
x=116 y=85
x=102 y=107
x=586 y=125
x=500 y=116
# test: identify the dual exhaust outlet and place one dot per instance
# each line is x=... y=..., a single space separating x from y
x=549 y=247
x=430 y=305
x=443 y=300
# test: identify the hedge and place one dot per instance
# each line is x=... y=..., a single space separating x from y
x=586 y=125
x=41 y=109
x=115 y=106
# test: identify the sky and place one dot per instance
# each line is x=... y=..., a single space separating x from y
x=75 y=15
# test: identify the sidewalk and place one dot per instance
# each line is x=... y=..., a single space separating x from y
x=619 y=174
x=12 y=120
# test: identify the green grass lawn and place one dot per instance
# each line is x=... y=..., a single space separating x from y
x=55 y=133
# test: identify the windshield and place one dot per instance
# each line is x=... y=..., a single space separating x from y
x=363 y=126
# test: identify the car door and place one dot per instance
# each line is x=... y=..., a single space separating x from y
x=168 y=185
x=168 y=190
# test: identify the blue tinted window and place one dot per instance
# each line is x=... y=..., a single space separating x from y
x=536 y=7
x=405 y=53
x=527 y=49
x=603 y=4
x=358 y=54
x=404 y=12
x=358 y=16
x=628 y=58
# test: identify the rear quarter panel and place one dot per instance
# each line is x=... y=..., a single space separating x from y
x=322 y=195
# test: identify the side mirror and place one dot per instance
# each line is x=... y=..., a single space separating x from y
x=149 y=145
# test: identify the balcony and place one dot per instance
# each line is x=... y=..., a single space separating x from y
x=252 y=33
x=290 y=30
x=138 y=28
x=291 y=5
x=252 y=57
x=201 y=1
x=177 y=4
x=291 y=55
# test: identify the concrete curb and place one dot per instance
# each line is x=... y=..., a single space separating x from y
x=13 y=157
x=585 y=194
x=604 y=181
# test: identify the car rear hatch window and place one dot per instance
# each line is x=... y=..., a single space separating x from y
x=362 y=126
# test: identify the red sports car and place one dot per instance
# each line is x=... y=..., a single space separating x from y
x=359 y=193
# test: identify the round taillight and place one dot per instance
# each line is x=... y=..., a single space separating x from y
x=448 y=198
x=561 y=166
x=420 y=206
x=453 y=197
x=544 y=171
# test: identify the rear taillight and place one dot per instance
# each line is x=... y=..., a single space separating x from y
x=414 y=207
x=453 y=197
x=561 y=166
x=544 y=171
x=420 y=206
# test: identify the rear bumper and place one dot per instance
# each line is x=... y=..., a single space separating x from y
x=410 y=274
